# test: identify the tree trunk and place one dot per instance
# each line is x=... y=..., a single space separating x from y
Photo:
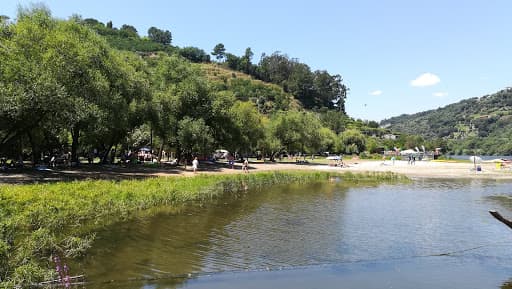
x=179 y=154
x=35 y=151
x=75 y=135
x=160 y=152
x=104 y=158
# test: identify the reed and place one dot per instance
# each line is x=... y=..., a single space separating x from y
x=41 y=221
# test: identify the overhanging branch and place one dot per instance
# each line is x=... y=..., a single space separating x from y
x=500 y=218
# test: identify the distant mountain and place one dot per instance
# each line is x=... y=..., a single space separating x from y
x=476 y=125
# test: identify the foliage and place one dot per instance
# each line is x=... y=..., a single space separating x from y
x=482 y=124
x=314 y=89
x=352 y=141
x=194 y=54
x=163 y=37
x=74 y=92
x=219 y=51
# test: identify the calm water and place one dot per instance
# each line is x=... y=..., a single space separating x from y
x=428 y=234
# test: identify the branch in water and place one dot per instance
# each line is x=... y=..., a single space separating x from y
x=500 y=218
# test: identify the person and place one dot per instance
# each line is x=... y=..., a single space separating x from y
x=231 y=161
x=195 y=164
x=245 y=166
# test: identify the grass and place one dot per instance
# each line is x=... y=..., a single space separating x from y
x=40 y=221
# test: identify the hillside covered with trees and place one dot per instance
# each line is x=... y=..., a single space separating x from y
x=77 y=85
x=477 y=125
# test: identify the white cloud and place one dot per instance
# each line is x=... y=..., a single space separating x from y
x=440 y=94
x=426 y=79
x=376 y=92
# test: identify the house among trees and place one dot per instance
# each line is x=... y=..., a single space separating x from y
x=390 y=136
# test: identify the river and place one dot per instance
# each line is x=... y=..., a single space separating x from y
x=427 y=234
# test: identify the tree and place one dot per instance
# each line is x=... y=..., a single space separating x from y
x=269 y=144
x=219 y=51
x=245 y=62
x=195 y=136
x=129 y=95
x=90 y=85
x=248 y=126
x=181 y=92
x=160 y=36
x=128 y=31
x=233 y=61
x=334 y=120
x=31 y=98
x=194 y=54
x=286 y=128
x=312 y=135
x=300 y=84
x=300 y=131
x=352 y=141
x=275 y=68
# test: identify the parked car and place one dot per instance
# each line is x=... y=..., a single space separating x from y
x=220 y=154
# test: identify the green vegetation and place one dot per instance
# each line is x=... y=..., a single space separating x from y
x=88 y=86
x=41 y=220
x=477 y=125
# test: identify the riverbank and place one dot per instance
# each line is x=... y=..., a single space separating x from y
x=41 y=221
x=421 y=169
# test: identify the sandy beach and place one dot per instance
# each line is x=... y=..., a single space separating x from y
x=431 y=169
x=421 y=169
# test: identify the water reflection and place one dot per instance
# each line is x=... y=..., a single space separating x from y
x=308 y=227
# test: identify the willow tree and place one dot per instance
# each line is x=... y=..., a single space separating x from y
x=248 y=127
x=299 y=131
x=181 y=92
x=31 y=99
x=101 y=85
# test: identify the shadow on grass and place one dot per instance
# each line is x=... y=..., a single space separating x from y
x=124 y=172
x=98 y=172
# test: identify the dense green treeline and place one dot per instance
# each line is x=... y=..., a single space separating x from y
x=73 y=92
x=472 y=126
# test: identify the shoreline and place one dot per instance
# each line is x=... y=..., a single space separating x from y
x=421 y=169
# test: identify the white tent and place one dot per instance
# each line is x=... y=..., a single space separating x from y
x=408 y=152
x=475 y=159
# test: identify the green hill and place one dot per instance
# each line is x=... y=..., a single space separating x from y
x=477 y=125
x=292 y=82
x=267 y=96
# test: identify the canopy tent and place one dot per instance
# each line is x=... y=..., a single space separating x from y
x=475 y=159
x=334 y=158
x=408 y=152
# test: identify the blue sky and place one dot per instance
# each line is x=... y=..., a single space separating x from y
x=396 y=56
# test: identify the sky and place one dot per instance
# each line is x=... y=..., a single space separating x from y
x=396 y=56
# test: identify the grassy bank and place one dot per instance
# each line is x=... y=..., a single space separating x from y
x=44 y=220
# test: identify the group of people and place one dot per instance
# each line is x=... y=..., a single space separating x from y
x=245 y=165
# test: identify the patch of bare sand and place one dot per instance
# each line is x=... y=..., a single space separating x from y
x=431 y=169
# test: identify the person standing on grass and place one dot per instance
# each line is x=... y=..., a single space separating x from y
x=245 y=166
x=195 y=164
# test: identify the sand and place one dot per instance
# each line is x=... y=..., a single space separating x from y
x=432 y=169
